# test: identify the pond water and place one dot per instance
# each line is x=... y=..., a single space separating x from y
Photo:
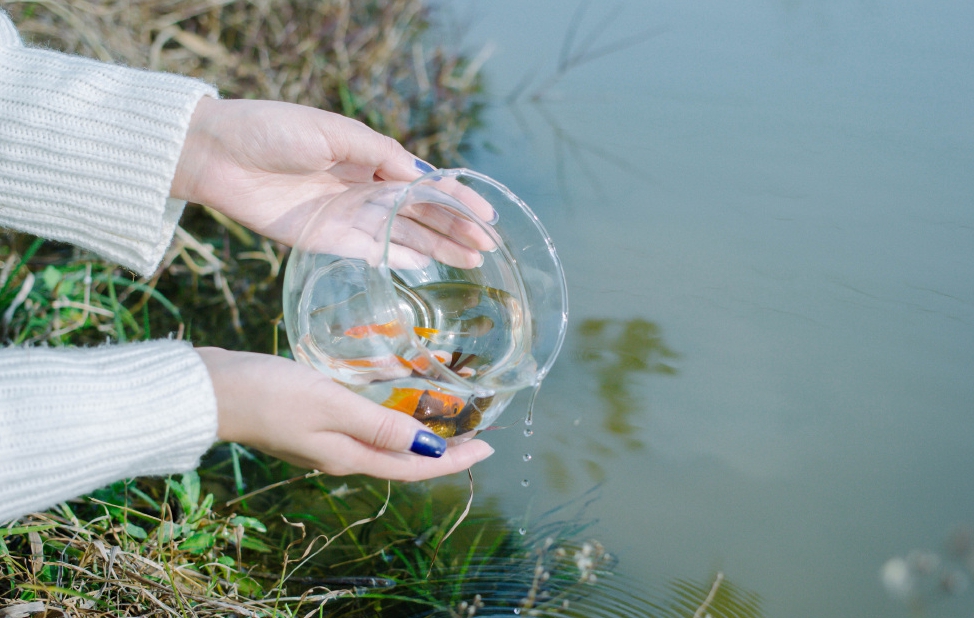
x=765 y=213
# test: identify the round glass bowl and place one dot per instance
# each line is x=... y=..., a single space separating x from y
x=440 y=298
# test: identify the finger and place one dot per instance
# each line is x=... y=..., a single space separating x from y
x=469 y=198
x=387 y=429
x=450 y=223
x=361 y=458
x=410 y=234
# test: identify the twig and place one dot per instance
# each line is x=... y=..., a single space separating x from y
x=309 y=475
x=456 y=524
x=18 y=300
x=308 y=556
x=701 y=611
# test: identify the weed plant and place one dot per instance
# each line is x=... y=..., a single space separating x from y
x=308 y=546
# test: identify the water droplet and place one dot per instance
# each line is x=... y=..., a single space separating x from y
x=528 y=433
x=525 y=483
x=522 y=531
x=528 y=421
x=527 y=457
x=517 y=610
x=534 y=395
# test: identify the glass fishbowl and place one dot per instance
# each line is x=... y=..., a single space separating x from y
x=440 y=298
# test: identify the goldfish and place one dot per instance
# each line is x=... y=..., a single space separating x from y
x=445 y=415
x=389 y=329
x=424 y=404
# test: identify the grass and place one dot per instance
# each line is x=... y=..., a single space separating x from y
x=178 y=547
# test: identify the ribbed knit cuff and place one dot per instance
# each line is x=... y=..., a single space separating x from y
x=88 y=152
x=74 y=420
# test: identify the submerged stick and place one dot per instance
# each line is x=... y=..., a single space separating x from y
x=702 y=610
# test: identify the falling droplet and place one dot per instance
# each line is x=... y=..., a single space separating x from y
x=528 y=433
x=534 y=395
x=522 y=531
x=527 y=457
x=525 y=483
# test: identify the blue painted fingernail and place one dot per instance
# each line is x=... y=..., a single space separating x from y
x=428 y=444
x=423 y=166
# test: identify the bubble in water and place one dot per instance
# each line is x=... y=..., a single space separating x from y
x=525 y=483
x=528 y=421
x=527 y=457
x=522 y=531
x=528 y=433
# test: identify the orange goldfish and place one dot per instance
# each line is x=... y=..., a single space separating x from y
x=420 y=364
x=424 y=404
x=389 y=329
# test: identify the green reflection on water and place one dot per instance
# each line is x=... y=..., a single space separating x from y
x=618 y=350
x=615 y=353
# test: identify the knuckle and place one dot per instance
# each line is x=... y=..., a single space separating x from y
x=385 y=432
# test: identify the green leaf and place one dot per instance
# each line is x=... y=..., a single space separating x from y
x=247 y=586
x=51 y=277
x=136 y=532
x=248 y=522
x=191 y=481
x=168 y=531
x=187 y=491
x=198 y=543
x=255 y=544
x=202 y=511
x=25 y=529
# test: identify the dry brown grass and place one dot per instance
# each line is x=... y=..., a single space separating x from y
x=364 y=59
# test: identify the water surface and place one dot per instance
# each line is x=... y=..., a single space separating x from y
x=765 y=214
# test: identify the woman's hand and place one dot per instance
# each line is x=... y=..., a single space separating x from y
x=269 y=165
x=299 y=415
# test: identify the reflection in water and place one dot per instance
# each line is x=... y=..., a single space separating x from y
x=614 y=352
x=578 y=49
x=617 y=350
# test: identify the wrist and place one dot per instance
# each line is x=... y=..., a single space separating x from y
x=186 y=182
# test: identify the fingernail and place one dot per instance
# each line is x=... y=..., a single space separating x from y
x=495 y=218
x=428 y=444
x=423 y=166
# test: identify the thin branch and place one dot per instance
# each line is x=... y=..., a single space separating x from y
x=702 y=610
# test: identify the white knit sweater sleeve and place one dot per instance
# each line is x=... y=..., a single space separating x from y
x=87 y=155
x=88 y=150
x=74 y=420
